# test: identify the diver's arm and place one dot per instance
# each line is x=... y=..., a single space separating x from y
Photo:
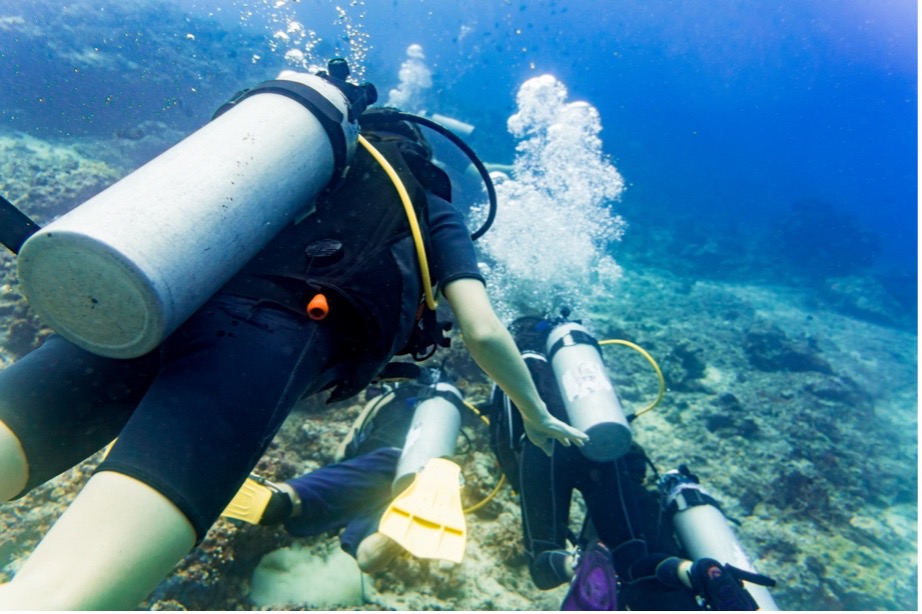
x=494 y=350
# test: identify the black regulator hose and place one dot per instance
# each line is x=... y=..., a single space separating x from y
x=484 y=174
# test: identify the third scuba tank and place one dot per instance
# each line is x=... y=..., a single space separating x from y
x=433 y=433
x=588 y=395
x=120 y=272
x=702 y=528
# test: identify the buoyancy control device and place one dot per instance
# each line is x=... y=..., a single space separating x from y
x=703 y=530
x=120 y=272
x=588 y=394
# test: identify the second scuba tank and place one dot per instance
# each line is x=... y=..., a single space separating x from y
x=119 y=273
x=433 y=433
x=702 y=528
x=588 y=395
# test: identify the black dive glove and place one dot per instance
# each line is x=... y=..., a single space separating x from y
x=721 y=586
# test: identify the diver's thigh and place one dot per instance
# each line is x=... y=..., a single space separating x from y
x=227 y=383
x=64 y=403
x=612 y=501
x=14 y=468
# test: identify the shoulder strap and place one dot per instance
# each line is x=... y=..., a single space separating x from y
x=15 y=226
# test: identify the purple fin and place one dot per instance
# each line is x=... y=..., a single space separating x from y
x=595 y=586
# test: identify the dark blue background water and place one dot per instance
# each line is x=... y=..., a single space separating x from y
x=724 y=108
x=717 y=111
x=729 y=109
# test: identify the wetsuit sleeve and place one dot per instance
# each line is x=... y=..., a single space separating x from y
x=453 y=255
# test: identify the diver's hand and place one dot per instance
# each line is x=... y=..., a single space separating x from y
x=542 y=432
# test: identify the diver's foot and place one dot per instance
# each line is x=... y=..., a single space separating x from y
x=376 y=551
x=284 y=503
x=260 y=501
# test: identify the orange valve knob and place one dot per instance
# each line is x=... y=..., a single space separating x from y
x=318 y=308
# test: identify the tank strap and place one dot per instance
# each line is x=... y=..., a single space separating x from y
x=451 y=395
x=325 y=111
x=575 y=337
x=690 y=497
x=15 y=226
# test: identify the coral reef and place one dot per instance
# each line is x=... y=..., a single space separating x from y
x=46 y=179
x=115 y=59
x=769 y=349
x=787 y=452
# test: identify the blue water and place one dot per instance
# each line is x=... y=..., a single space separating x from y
x=720 y=108
x=721 y=112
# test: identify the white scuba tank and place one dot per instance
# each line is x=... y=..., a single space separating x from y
x=457 y=126
x=588 y=395
x=703 y=531
x=433 y=433
x=120 y=272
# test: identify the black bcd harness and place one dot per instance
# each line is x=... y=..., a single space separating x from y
x=15 y=226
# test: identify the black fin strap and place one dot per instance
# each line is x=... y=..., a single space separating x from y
x=15 y=226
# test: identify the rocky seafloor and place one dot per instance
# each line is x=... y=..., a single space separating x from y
x=800 y=419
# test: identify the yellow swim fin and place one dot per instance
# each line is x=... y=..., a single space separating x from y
x=427 y=518
x=259 y=501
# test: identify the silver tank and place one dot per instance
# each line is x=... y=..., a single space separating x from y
x=120 y=272
x=703 y=531
x=588 y=395
x=433 y=433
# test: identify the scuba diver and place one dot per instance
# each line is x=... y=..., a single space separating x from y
x=392 y=488
x=288 y=247
x=625 y=556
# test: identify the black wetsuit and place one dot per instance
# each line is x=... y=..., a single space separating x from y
x=195 y=415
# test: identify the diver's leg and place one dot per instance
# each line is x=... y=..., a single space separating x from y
x=352 y=494
x=229 y=377
x=14 y=468
x=546 y=490
x=334 y=495
x=58 y=405
x=376 y=550
x=612 y=502
x=113 y=545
